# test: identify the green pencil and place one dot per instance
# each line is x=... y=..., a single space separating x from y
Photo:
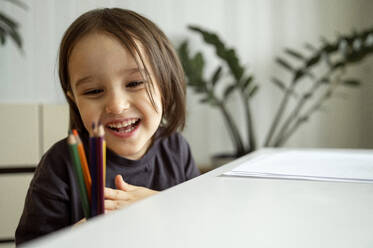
x=73 y=147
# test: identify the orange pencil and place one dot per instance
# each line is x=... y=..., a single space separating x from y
x=84 y=163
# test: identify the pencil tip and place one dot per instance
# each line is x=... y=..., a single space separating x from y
x=101 y=131
x=75 y=132
x=71 y=139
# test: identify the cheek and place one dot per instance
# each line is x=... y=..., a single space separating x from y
x=157 y=109
x=153 y=113
x=158 y=102
x=88 y=114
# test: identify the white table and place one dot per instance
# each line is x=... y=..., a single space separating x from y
x=215 y=211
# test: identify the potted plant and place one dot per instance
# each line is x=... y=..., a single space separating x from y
x=9 y=27
x=337 y=56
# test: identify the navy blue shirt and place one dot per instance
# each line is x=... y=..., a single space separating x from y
x=53 y=201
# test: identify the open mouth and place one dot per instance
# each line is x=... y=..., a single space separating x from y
x=125 y=126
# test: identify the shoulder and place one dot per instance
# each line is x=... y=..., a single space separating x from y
x=53 y=170
x=177 y=147
x=174 y=146
x=175 y=142
x=59 y=148
x=58 y=152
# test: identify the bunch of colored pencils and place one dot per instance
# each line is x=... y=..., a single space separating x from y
x=90 y=177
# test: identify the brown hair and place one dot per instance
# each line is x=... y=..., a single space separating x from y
x=128 y=27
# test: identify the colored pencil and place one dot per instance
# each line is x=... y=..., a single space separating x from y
x=93 y=169
x=83 y=161
x=104 y=147
x=100 y=166
x=79 y=174
x=91 y=177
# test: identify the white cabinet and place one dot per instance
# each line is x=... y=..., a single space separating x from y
x=55 y=120
x=19 y=132
x=27 y=131
x=13 y=189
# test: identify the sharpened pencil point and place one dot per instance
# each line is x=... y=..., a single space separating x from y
x=75 y=132
x=101 y=131
x=71 y=139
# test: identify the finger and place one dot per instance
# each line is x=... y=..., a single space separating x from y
x=80 y=222
x=111 y=205
x=107 y=211
x=115 y=194
x=121 y=184
x=114 y=205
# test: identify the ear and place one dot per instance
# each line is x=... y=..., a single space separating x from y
x=70 y=95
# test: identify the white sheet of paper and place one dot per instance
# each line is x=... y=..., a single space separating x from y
x=312 y=165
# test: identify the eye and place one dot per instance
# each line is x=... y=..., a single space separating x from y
x=134 y=84
x=92 y=92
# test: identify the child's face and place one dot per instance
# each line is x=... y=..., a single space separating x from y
x=108 y=86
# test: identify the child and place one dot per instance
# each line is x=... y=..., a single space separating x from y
x=117 y=68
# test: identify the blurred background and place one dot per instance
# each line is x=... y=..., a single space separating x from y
x=33 y=109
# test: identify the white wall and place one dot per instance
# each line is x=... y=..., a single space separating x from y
x=259 y=29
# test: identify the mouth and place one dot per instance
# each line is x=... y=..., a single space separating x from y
x=124 y=127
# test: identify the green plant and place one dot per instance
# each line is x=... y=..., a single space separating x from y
x=334 y=57
x=194 y=69
x=9 y=27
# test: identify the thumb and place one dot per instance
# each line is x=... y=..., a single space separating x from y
x=121 y=184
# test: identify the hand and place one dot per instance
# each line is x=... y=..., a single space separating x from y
x=124 y=195
x=80 y=222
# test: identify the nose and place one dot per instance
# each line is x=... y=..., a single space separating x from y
x=116 y=104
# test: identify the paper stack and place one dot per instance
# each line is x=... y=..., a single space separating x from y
x=325 y=165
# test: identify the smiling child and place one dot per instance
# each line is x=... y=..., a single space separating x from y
x=118 y=68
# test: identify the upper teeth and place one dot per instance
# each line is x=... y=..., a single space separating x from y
x=122 y=124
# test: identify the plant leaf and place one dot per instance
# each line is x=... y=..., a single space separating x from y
x=8 y=21
x=227 y=55
x=216 y=76
x=338 y=65
x=2 y=36
x=9 y=27
x=294 y=54
x=247 y=82
x=229 y=90
x=281 y=85
x=198 y=88
x=253 y=91
x=278 y=83
x=183 y=52
x=208 y=99
x=330 y=48
x=351 y=82
x=325 y=80
x=310 y=47
x=313 y=60
x=284 y=64
x=298 y=74
x=18 y=3
x=198 y=64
